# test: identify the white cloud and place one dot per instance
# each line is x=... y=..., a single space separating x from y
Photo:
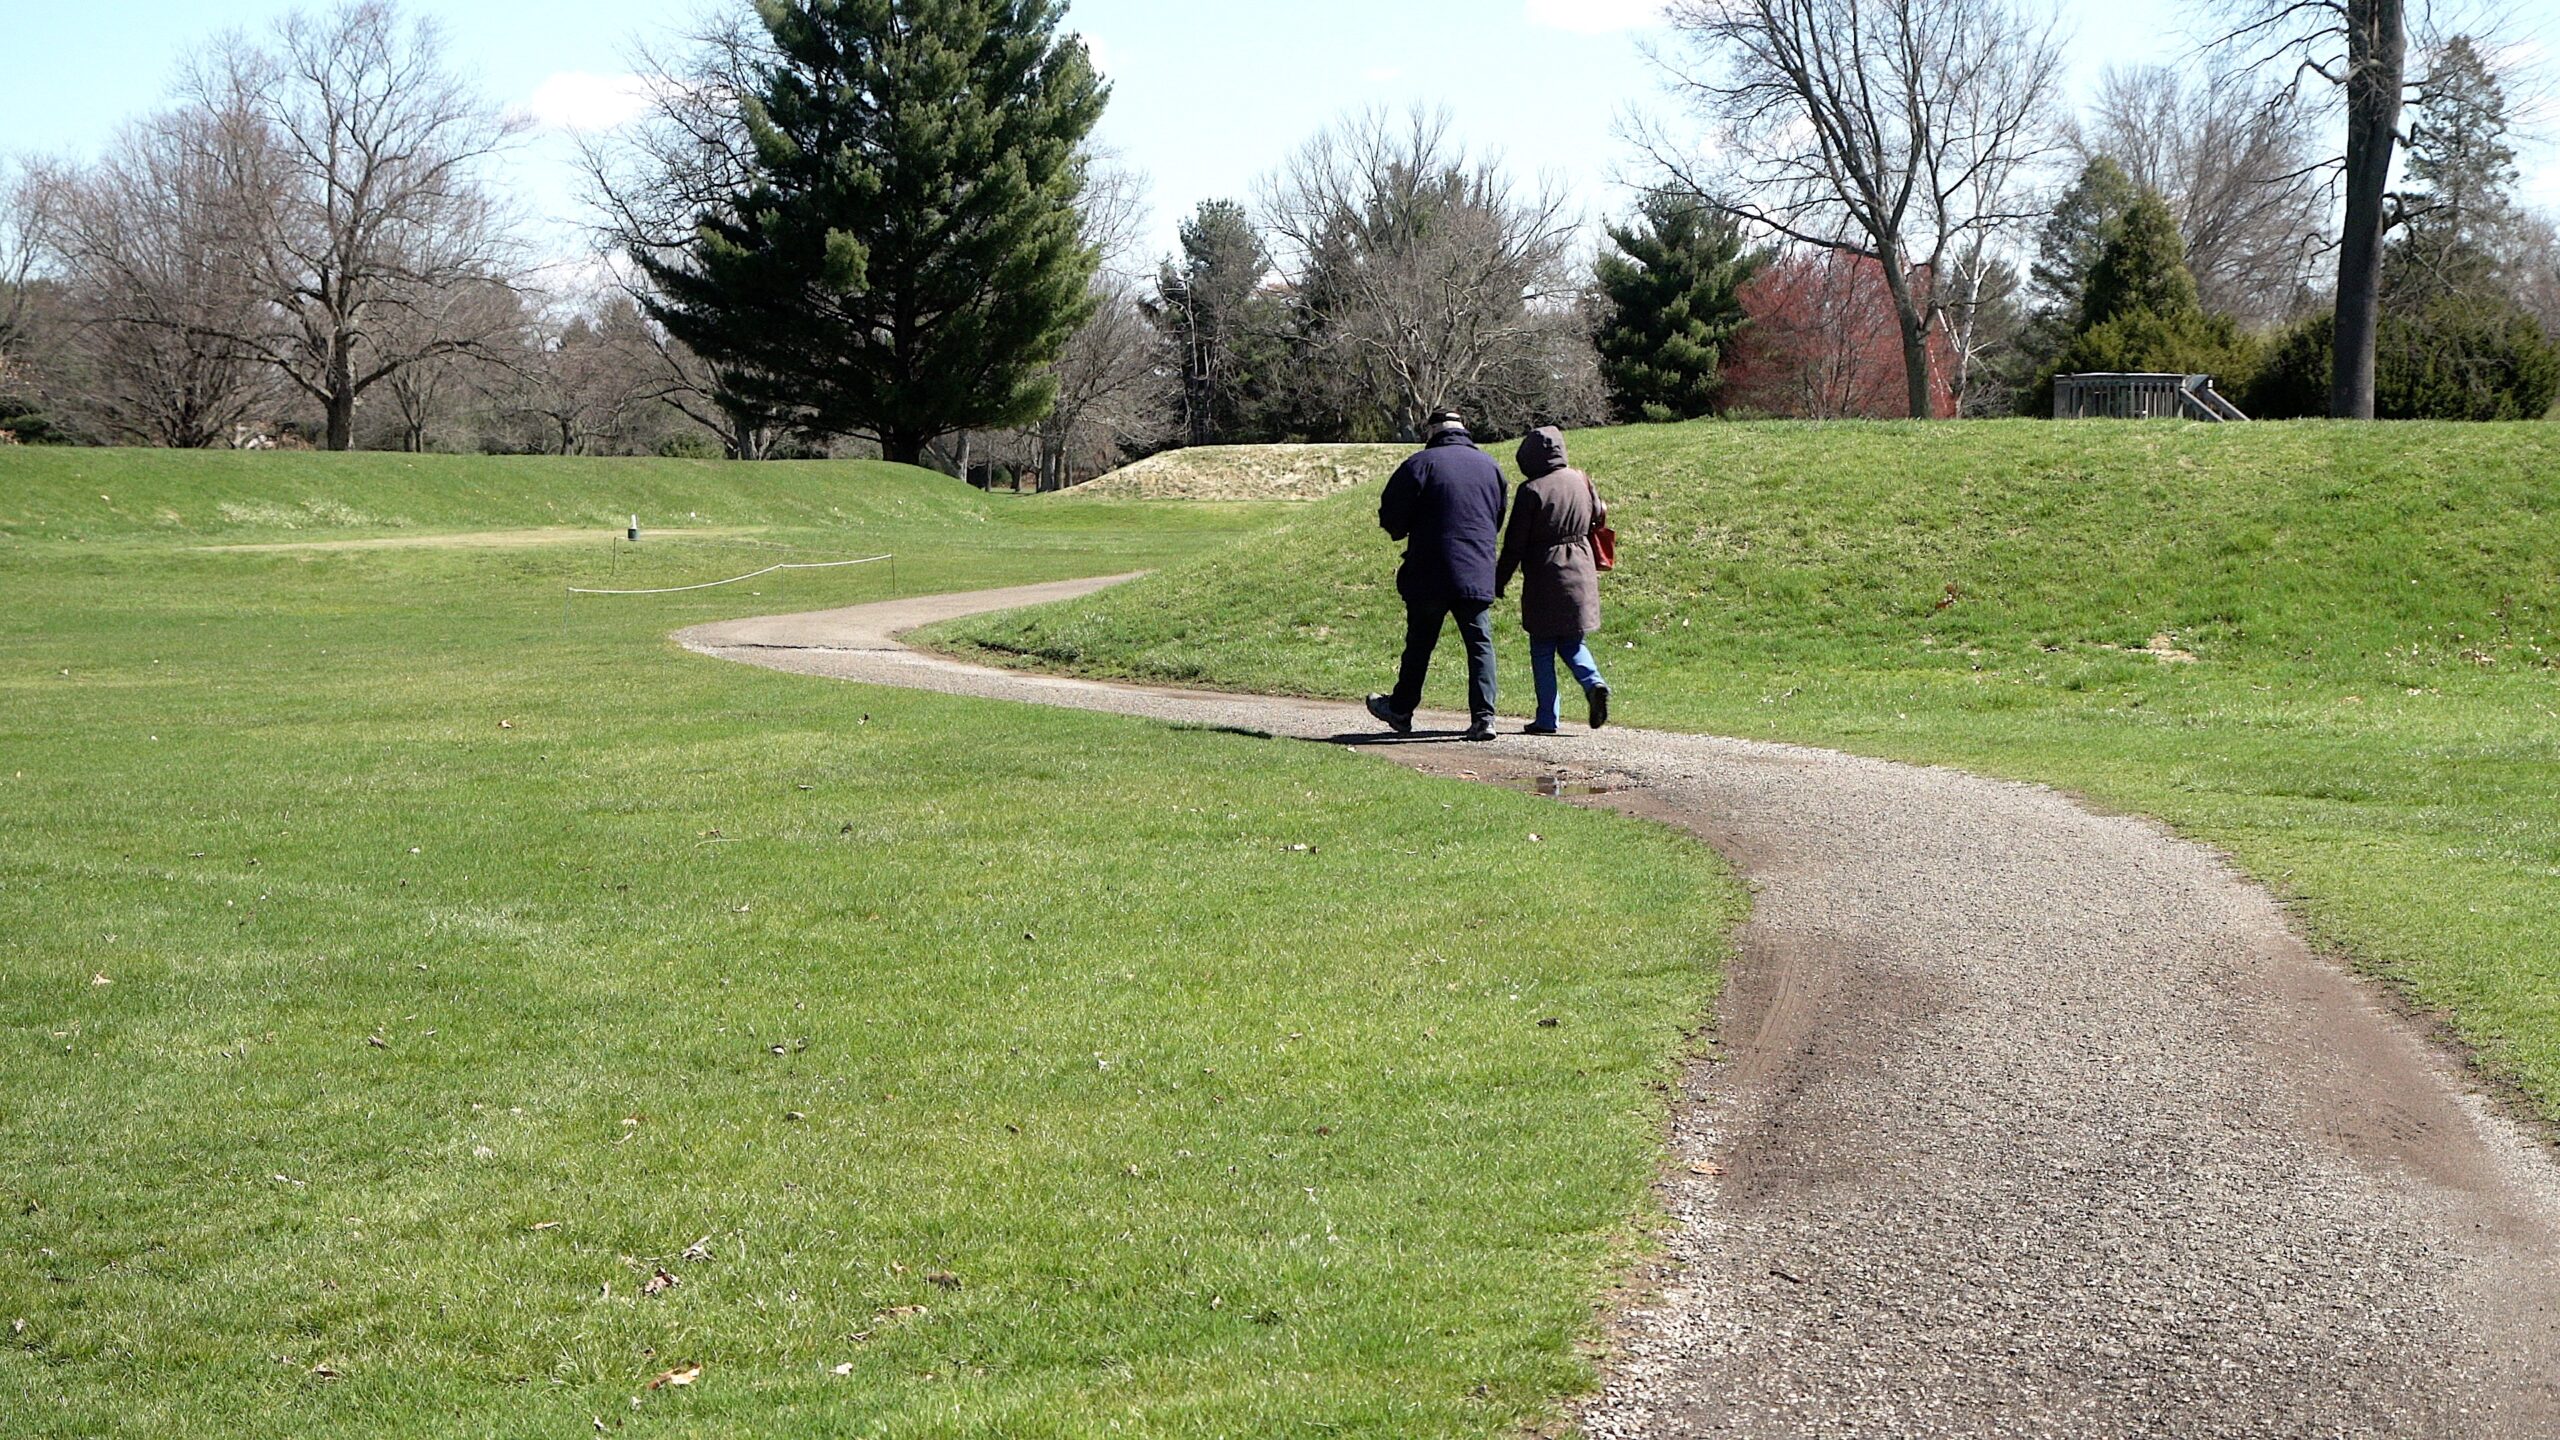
x=578 y=100
x=1596 y=17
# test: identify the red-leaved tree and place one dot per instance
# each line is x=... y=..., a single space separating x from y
x=1824 y=343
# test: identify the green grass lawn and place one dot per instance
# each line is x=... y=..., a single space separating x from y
x=397 y=973
x=2371 y=721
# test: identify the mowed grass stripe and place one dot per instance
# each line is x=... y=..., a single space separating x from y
x=430 y=920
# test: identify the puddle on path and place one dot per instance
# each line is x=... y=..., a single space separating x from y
x=1560 y=786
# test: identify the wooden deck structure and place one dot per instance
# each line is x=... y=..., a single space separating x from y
x=2140 y=397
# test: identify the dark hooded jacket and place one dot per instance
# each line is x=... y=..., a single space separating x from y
x=1549 y=543
x=1448 y=502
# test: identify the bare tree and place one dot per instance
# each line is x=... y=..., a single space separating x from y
x=27 y=195
x=2361 y=47
x=2233 y=156
x=1982 y=320
x=1107 y=380
x=1419 y=268
x=140 y=239
x=588 y=370
x=2532 y=263
x=1896 y=130
x=1109 y=377
x=440 y=389
x=361 y=198
x=649 y=184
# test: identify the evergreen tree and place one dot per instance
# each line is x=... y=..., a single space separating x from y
x=1674 y=307
x=2463 y=174
x=2141 y=266
x=2070 y=243
x=2066 y=249
x=1222 y=328
x=904 y=257
x=2139 y=312
x=2454 y=343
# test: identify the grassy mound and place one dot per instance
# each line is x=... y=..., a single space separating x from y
x=1249 y=472
x=399 y=975
x=2330 y=649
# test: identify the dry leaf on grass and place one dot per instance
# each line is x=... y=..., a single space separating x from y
x=99 y=979
x=680 y=1376
x=942 y=1279
x=541 y=1225
x=844 y=1369
x=699 y=1249
x=659 y=1283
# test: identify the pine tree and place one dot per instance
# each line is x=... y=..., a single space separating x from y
x=2066 y=249
x=1675 y=306
x=2139 y=312
x=2141 y=266
x=905 y=258
x=1221 y=327
x=2072 y=238
x=2463 y=173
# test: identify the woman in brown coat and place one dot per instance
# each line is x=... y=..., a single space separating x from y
x=1549 y=546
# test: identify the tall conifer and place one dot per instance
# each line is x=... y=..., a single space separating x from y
x=1674 y=306
x=905 y=258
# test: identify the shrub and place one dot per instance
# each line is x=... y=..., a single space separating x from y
x=690 y=445
x=2455 y=359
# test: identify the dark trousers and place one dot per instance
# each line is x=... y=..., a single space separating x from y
x=1422 y=620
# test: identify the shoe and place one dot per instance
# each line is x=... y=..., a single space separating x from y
x=1540 y=730
x=1481 y=730
x=1385 y=711
x=1599 y=697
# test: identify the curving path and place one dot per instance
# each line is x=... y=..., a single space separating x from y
x=2025 y=1121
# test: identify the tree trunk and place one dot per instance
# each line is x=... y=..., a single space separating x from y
x=342 y=419
x=1916 y=379
x=2377 y=55
x=903 y=447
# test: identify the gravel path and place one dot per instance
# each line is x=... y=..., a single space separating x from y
x=2024 y=1120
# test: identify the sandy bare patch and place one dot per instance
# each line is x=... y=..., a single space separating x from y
x=1249 y=472
x=480 y=540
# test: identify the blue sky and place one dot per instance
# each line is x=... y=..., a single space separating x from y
x=1209 y=94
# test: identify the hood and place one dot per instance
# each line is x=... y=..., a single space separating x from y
x=1542 y=452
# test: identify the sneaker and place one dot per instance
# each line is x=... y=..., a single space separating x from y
x=1481 y=730
x=1385 y=710
x=1599 y=697
x=1540 y=730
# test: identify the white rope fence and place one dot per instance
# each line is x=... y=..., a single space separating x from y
x=742 y=579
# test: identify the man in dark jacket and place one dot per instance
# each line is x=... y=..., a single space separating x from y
x=1447 y=502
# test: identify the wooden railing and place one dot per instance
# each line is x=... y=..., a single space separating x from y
x=2140 y=397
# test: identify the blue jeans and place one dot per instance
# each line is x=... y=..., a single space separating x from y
x=1543 y=651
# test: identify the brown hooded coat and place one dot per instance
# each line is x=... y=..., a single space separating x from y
x=1549 y=542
